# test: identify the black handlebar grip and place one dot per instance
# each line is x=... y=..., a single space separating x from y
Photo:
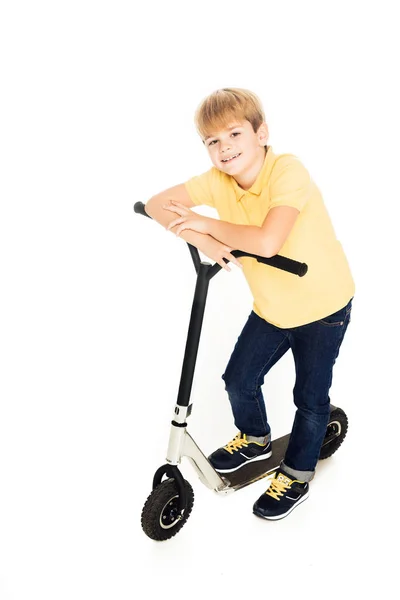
x=286 y=264
x=139 y=208
x=278 y=261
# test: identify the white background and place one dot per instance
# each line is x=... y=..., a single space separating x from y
x=97 y=108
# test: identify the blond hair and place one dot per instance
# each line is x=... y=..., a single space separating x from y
x=226 y=105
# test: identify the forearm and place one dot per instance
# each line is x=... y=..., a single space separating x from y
x=156 y=211
x=248 y=238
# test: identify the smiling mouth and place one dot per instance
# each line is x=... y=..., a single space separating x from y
x=225 y=160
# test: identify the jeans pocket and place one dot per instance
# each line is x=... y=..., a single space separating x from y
x=336 y=319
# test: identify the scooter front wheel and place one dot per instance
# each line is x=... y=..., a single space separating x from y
x=335 y=433
x=161 y=517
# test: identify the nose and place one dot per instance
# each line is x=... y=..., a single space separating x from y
x=225 y=146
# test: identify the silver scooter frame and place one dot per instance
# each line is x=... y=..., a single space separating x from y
x=180 y=441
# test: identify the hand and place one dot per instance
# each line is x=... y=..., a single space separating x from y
x=217 y=251
x=187 y=219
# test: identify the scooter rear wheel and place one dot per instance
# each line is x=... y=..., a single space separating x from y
x=161 y=518
x=335 y=433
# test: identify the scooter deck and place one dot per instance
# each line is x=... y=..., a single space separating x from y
x=258 y=469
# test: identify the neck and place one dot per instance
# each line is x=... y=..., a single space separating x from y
x=245 y=180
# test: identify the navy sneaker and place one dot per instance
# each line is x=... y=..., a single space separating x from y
x=239 y=452
x=282 y=496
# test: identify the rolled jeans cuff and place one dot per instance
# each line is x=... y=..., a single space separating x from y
x=300 y=475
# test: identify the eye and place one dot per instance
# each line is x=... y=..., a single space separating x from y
x=212 y=142
x=236 y=133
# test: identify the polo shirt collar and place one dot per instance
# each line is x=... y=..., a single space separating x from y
x=261 y=180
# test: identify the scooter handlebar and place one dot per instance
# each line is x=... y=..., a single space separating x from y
x=279 y=262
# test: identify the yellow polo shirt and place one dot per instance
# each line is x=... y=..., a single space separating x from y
x=281 y=298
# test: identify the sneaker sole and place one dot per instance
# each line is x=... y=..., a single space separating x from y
x=262 y=457
x=284 y=514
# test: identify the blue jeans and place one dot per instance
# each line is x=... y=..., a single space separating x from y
x=315 y=347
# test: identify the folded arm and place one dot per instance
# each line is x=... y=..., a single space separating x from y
x=248 y=238
x=266 y=240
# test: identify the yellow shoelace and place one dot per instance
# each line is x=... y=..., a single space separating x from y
x=277 y=488
x=236 y=444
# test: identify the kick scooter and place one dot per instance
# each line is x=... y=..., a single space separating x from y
x=170 y=503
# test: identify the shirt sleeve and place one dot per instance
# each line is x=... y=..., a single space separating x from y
x=290 y=183
x=200 y=187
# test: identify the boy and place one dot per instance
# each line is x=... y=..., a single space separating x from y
x=268 y=205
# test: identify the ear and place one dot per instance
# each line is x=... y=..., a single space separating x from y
x=263 y=134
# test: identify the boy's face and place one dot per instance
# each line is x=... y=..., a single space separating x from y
x=236 y=149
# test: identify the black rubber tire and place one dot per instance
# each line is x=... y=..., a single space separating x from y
x=338 y=420
x=161 y=506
